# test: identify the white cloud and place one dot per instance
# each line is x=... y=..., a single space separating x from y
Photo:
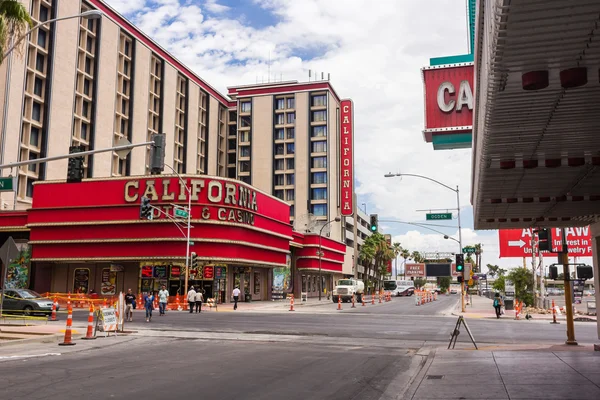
x=374 y=51
x=214 y=7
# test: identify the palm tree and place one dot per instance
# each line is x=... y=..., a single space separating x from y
x=397 y=249
x=375 y=253
x=417 y=257
x=14 y=22
x=404 y=254
x=366 y=256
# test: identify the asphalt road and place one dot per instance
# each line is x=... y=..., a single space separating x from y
x=171 y=368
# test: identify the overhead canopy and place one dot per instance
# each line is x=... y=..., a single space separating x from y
x=536 y=139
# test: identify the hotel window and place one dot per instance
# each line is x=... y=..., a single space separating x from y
x=319 y=162
x=245 y=106
x=280 y=119
x=318 y=178
x=319 y=100
x=280 y=105
x=290 y=148
x=291 y=118
x=202 y=133
x=244 y=151
x=289 y=163
x=279 y=165
x=154 y=103
x=279 y=134
x=245 y=122
x=290 y=133
x=223 y=131
x=123 y=101
x=289 y=179
x=319 y=131
x=319 y=210
x=291 y=103
x=319 y=116
x=284 y=153
x=279 y=149
x=319 y=147
x=289 y=195
x=179 y=159
x=244 y=136
x=279 y=181
x=33 y=128
x=232 y=144
x=319 y=194
x=244 y=166
x=245 y=179
x=278 y=194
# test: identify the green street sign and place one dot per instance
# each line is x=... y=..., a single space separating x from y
x=180 y=212
x=438 y=216
x=468 y=249
x=6 y=184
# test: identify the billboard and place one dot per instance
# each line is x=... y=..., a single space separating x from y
x=414 y=270
x=448 y=99
x=347 y=158
x=517 y=242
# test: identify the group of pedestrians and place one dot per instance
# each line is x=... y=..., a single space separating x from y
x=194 y=299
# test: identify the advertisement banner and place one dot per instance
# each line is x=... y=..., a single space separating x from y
x=81 y=280
x=448 y=99
x=175 y=271
x=160 y=271
x=109 y=282
x=517 y=242
x=209 y=272
x=220 y=272
x=147 y=271
x=347 y=158
x=17 y=274
x=414 y=270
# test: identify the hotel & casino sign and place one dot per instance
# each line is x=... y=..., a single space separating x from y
x=347 y=158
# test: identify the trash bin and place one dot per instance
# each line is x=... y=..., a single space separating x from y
x=247 y=298
x=509 y=304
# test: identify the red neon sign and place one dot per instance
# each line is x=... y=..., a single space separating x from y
x=347 y=158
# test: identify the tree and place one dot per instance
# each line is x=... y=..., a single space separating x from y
x=494 y=270
x=417 y=257
x=420 y=282
x=376 y=253
x=397 y=249
x=444 y=283
x=499 y=284
x=14 y=21
x=522 y=278
x=405 y=254
x=478 y=251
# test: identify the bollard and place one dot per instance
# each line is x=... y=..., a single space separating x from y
x=353 y=305
x=292 y=303
x=68 y=340
x=554 y=321
x=89 y=335
x=339 y=302
x=53 y=318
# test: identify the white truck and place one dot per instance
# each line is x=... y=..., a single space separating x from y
x=345 y=288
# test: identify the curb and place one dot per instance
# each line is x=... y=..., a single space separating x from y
x=45 y=338
x=415 y=382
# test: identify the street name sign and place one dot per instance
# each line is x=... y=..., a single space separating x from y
x=181 y=212
x=468 y=249
x=517 y=242
x=7 y=184
x=438 y=216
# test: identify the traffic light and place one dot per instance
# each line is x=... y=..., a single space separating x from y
x=553 y=274
x=460 y=263
x=75 y=168
x=145 y=208
x=374 y=223
x=194 y=260
x=157 y=154
x=544 y=240
x=585 y=272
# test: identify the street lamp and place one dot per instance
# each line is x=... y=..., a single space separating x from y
x=320 y=254
x=462 y=285
x=91 y=14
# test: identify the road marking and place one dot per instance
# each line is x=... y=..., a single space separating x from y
x=29 y=356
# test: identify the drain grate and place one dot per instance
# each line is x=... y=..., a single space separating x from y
x=435 y=376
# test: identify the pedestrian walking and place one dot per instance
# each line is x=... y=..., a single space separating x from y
x=129 y=305
x=199 y=298
x=191 y=298
x=163 y=299
x=236 y=297
x=498 y=304
x=149 y=305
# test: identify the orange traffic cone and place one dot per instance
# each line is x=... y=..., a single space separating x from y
x=339 y=302
x=53 y=318
x=68 y=340
x=90 y=328
x=105 y=305
x=373 y=298
x=292 y=303
x=362 y=299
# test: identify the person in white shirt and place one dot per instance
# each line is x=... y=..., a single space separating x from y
x=236 y=297
x=191 y=298
x=163 y=299
x=199 y=298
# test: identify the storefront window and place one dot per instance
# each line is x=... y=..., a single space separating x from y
x=81 y=280
x=314 y=283
x=304 y=283
x=247 y=283
x=256 y=283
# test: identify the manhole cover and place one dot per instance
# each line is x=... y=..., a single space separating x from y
x=435 y=376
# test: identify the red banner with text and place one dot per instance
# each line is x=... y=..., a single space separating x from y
x=517 y=242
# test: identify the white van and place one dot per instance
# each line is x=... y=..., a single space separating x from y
x=400 y=288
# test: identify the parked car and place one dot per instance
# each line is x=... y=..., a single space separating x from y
x=453 y=291
x=26 y=301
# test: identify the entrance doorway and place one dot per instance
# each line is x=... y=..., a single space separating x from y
x=257 y=286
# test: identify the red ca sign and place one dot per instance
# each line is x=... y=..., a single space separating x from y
x=517 y=242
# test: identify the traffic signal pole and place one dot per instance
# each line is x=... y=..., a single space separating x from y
x=462 y=284
x=564 y=259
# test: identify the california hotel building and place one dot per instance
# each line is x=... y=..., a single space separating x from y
x=91 y=82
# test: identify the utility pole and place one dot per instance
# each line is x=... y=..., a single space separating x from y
x=564 y=260
x=533 y=266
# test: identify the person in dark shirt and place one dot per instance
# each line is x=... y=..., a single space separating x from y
x=129 y=305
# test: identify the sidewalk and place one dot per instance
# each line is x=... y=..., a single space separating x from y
x=482 y=307
x=556 y=372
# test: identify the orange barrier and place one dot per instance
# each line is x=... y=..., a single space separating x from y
x=292 y=303
x=339 y=302
x=554 y=321
x=89 y=335
x=54 y=304
x=362 y=299
x=68 y=339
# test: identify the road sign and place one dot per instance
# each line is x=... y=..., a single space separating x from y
x=6 y=184
x=181 y=212
x=414 y=270
x=438 y=216
x=517 y=242
x=468 y=249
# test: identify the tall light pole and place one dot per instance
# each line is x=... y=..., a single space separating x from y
x=320 y=254
x=189 y=220
x=462 y=284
